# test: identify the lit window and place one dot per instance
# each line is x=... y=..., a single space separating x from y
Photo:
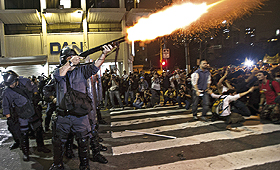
x=66 y=3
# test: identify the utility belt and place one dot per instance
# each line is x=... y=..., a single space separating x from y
x=61 y=112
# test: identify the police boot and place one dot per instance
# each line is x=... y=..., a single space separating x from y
x=83 y=150
x=15 y=145
x=102 y=147
x=40 y=141
x=58 y=147
x=96 y=156
x=69 y=147
x=99 y=139
x=25 y=145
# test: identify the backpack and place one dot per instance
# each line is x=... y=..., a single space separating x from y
x=217 y=107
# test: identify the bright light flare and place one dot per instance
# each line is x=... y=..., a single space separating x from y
x=248 y=63
x=190 y=18
x=166 y=21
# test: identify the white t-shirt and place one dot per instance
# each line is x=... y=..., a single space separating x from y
x=227 y=100
x=224 y=89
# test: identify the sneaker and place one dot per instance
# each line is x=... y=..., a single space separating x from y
x=195 y=118
x=204 y=118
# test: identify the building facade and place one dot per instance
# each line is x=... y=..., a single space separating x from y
x=33 y=32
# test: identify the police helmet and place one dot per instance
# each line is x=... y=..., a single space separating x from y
x=10 y=77
x=67 y=51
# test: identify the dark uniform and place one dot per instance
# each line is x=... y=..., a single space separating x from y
x=93 y=88
x=17 y=98
x=49 y=95
x=67 y=122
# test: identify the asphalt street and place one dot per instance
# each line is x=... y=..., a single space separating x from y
x=164 y=138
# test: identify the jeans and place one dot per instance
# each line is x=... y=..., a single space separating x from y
x=117 y=94
x=138 y=106
x=241 y=108
x=127 y=94
x=205 y=103
x=180 y=100
x=155 y=97
x=106 y=98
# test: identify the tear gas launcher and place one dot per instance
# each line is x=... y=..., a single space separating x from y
x=115 y=42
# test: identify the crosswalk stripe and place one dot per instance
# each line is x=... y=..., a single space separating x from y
x=196 y=139
x=153 y=119
x=160 y=129
x=143 y=110
x=235 y=160
x=146 y=113
x=146 y=120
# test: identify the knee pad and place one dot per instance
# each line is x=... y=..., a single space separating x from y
x=83 y=142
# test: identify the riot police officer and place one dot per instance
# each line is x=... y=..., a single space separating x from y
x=18 y=105
x=73 y=76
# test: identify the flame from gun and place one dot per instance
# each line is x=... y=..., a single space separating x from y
x=190 y=18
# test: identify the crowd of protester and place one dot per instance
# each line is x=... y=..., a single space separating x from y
x=232 y=93
x=153 y=89
x=142 y=90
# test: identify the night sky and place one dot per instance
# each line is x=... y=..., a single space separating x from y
x=266 y=20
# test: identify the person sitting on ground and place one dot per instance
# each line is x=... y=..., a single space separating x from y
x=170 y=95
x=228 y=97
x=147 y=98
x=138 y=102
x=184 y=96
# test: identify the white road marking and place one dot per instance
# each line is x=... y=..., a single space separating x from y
x=196 y=139
x=234 y=160
x=146 y=110
x=160 y=129
x=145 y=114
x=147 y=120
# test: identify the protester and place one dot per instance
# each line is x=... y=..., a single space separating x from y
x=228 y=97
x=201 y=80
x=155 y=89
x=114 y=83
x=170 y=96
x=269 y=89
x=184 y=96
x=138 y=102
x=142 y=86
